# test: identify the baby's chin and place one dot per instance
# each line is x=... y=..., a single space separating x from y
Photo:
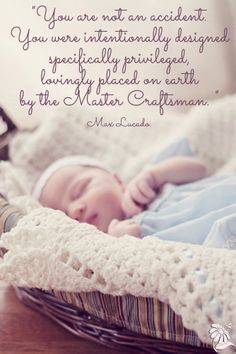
x=104 y=222
x=99 y=222
x=103 y=226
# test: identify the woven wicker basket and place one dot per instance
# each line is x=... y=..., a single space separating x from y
x=89 y=327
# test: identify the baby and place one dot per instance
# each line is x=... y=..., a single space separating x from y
x=87 y=191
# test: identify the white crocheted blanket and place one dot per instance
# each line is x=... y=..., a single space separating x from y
x=48 y=250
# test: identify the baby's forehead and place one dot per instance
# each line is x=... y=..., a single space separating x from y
x=64 y=168
x=68 y=172
x=61 y=180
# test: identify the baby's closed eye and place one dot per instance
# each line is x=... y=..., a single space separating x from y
x=79 y=188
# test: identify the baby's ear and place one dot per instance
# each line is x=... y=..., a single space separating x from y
x=119 y=180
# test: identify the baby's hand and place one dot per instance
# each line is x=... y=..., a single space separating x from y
x=126 y=227
x=139 y=193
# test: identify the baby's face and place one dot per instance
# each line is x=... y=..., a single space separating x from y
x=86 y=194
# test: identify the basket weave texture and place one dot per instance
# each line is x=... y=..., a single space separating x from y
x=89 y=327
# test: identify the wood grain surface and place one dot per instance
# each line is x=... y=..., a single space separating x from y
x=23 y=330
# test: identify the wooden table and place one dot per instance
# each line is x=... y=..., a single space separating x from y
x=23 y=330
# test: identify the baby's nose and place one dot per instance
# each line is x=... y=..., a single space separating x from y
x=76 y=211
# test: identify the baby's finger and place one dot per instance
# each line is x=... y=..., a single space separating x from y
x=131 y=222
x=137 y=195
x=129 y=207
x=134 y=230
x=146 y=190
x=114 y=222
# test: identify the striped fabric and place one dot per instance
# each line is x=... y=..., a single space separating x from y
x=142 y=315
x=9 y=216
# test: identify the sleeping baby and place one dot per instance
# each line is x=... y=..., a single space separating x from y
x=172 y=199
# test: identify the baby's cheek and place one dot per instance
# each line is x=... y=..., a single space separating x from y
x=112 y=204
